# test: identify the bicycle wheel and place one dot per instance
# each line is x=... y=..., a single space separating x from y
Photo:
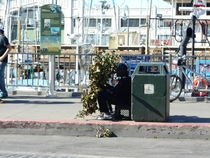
x=175 y=87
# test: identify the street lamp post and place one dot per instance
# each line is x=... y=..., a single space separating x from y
x=126 y=17
x=76 y=37
x=104 y=6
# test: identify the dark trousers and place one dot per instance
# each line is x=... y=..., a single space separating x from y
x=105 y=100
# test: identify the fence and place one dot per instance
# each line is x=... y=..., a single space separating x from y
x=29 y=71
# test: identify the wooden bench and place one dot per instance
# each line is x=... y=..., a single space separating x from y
x=122 y=112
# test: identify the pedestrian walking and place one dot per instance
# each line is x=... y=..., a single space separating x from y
x=5 y=48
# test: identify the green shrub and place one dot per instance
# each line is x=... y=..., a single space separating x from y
x=103 y=67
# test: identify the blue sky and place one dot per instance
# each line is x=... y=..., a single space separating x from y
x=134 y=3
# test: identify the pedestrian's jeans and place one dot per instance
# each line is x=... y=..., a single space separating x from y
x=2 y=80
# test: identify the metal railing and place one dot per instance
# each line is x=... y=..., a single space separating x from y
x=27 y=71
x=30 y=70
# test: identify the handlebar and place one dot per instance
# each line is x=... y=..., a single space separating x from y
x=185 y=57
x=180 y=60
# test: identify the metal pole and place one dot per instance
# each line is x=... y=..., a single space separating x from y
x=114 y=14
x=183 y=45
x=126 y=17
x=101 y=26
x=19 y=36
x=51 y=76
x=147 y=30
x=77 y=66
x=128 y=26
x=147 y=36
x=193 y=39
x=8 y=29
x=148 y=26
x=51 y=62
x=77 y=78
x=19 y=27
x=101 y=23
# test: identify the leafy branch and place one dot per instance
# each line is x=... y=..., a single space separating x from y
x=103 y=67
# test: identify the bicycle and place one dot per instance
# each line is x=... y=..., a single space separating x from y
x=200 y=84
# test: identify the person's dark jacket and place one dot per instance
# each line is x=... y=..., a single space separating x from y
x=122 y=89
x=3 y=43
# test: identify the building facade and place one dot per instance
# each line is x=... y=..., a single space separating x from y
x=96 y=24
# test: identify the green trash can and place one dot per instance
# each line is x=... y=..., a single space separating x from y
x=150 y=92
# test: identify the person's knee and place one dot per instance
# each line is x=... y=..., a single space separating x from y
x=101 y=92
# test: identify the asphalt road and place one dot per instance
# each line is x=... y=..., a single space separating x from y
x=31 y=146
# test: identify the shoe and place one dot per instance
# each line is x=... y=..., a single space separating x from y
x=1 y=101
x=105 y=117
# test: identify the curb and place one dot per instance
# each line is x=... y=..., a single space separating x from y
x=120 y=129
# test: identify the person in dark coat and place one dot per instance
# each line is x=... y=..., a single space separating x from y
x=120 y=94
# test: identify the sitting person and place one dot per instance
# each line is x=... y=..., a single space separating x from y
x=120 y=94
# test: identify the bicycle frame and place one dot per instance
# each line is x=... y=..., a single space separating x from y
x=176 y=85
x=183 y=68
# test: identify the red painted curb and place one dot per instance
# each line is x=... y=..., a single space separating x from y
x=107 y=122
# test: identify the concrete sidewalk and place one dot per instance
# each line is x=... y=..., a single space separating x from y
x=42 y=115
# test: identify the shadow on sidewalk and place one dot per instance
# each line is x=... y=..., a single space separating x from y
x=187 y=119
x=38 y=101
x=42 y=97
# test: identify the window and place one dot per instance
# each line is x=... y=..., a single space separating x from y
x=143 y=22
x=133 y=22
x=74 y=22
x=162 y=23
x=94 y=22
x=183 y=5
x=107 y=22
x=124 y=23
x=142 y=36
x=93 y=39
x=163 y=37
x=142 y=39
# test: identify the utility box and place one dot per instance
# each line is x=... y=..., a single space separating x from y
x=150 y=92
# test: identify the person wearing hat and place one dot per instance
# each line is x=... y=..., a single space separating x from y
x=120 y=94
x=5 y=48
